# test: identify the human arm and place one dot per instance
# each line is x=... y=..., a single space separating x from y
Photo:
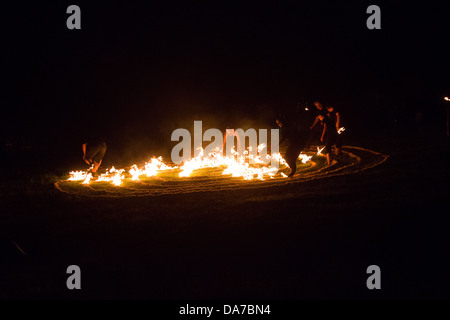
x=84 y=154
x=323 y=132
x=338 y=120
x=315 y=122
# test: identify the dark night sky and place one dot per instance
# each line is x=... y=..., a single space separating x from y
x=138 y=70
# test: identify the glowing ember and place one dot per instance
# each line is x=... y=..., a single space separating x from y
x=342 y=129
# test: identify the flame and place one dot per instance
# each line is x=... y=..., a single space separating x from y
x=135 y=172
x=247 y=166
x=88 y=177
x=304 y=157
x=112 y=175
x=319 y=150
x=342 y=129
x=261 y=147
x=150 y=169
x=235 y=165
x=77 y=175
x=84 y=176
x=446 y=99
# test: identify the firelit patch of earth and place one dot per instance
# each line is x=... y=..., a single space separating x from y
x=352 y=161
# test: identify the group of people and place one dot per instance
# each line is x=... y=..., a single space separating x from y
x=327 y=123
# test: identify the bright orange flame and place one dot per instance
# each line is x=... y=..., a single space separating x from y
x=247 y=166
x=236 y=165
x=88 y=177
x=304 y=157
x=150 y=169
x=77 y=175
x=319 y=150
x=112 y=175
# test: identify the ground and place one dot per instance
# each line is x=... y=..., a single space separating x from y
x=296 y=240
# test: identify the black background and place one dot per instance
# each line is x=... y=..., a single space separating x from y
x=138 y=70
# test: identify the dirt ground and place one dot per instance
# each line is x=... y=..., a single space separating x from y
x=302 y=240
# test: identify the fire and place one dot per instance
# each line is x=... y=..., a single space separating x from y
x=342 y=129
x=84 y=176
x=261 y=147
x=235 y=165
x=319 y=150
x=246 y=166
x=88 y=178
x=304 y=157
x=112 y=175
x=194 y=164
x=150 y=169
x=77 y=175
x=135 y=172
x=446 y=99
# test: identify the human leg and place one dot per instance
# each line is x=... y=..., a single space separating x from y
x=291 y=160
x=338 y=145
x=98 y=154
